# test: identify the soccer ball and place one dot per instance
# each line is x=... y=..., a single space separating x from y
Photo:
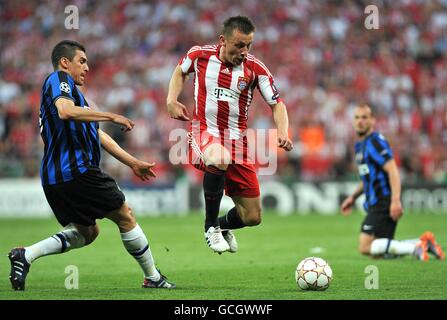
x=313 y=273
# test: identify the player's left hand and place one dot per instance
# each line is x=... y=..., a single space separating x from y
x=285 y=143
x=143 y=170
x=396 y=210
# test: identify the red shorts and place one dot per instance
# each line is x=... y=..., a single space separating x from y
x=240 y=179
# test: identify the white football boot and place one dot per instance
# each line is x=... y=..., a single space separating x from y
x=215 y=240
x=231 y=240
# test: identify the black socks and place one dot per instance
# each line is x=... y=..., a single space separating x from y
x=231 y=220
x=213 y=186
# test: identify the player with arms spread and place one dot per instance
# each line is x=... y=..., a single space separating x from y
x=225 y=78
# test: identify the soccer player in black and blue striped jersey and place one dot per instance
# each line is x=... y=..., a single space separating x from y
x=77 y=190
x=380 y=182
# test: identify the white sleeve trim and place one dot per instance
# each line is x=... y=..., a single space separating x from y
x=186 y=64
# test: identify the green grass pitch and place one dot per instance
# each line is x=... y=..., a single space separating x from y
x=262 y=269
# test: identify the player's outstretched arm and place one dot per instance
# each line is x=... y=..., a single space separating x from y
x=68 y=111
x=177 y=110
x=396 y=210
x=348 y=203
x=141 y=169
x=282 y=124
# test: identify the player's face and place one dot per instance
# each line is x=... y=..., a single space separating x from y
x=78 y=67
x=236 y=47
x=363 y=121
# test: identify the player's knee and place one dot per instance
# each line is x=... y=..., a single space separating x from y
x=218 y=164
x=127 y=219
x=222 y=167
x=81 y=235
x=253 y=221
x=91 y=234
x=123 y=218
x=217 y=156
x=365 y=249
x=253 y=218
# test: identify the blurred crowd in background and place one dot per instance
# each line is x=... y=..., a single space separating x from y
x=323 y=59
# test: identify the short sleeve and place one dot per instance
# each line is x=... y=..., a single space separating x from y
x=266 y=84
x=187 y=62
x=380 y=150
x=61 y=86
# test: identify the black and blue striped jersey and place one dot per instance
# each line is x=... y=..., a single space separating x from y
x=71 y=147
x=371 y=154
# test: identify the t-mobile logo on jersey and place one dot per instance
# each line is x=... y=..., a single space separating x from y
x=224 y=94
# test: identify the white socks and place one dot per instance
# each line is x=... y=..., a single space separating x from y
x=387 y=246
x=63 y=241
x=134 y=241
x=137 y=245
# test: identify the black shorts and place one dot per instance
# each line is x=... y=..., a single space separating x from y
x=378 y=222
x=90 y=196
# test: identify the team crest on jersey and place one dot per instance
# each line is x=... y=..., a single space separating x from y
x=64 y=87
x=242 y=83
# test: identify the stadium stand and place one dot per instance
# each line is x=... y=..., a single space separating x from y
x=322 y=57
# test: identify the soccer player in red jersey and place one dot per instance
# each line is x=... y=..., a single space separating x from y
x=225 y=78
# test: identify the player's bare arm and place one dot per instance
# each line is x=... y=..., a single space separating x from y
x=176 y=109
x=142 y=169
x=282 y=124
x=396 y=209
x=346 y=206
x=68 y=111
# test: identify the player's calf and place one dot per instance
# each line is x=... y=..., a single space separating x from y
x=250 y=212
x=251 y=217
x=123 y=218
x=252 y=221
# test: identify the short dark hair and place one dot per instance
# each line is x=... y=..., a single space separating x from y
x=241 y=23
x=65 y=48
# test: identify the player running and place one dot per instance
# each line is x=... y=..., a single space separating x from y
x=225 y=78
x=380 y=182
x=77 y=190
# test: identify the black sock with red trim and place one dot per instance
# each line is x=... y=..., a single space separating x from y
x=213 y=186
x=231 y=220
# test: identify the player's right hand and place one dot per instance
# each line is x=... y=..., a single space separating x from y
x=143 y=170
x=346 y=206
x=396 y=210
x=285 y=143
x=178 y=111
x=126 y=124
